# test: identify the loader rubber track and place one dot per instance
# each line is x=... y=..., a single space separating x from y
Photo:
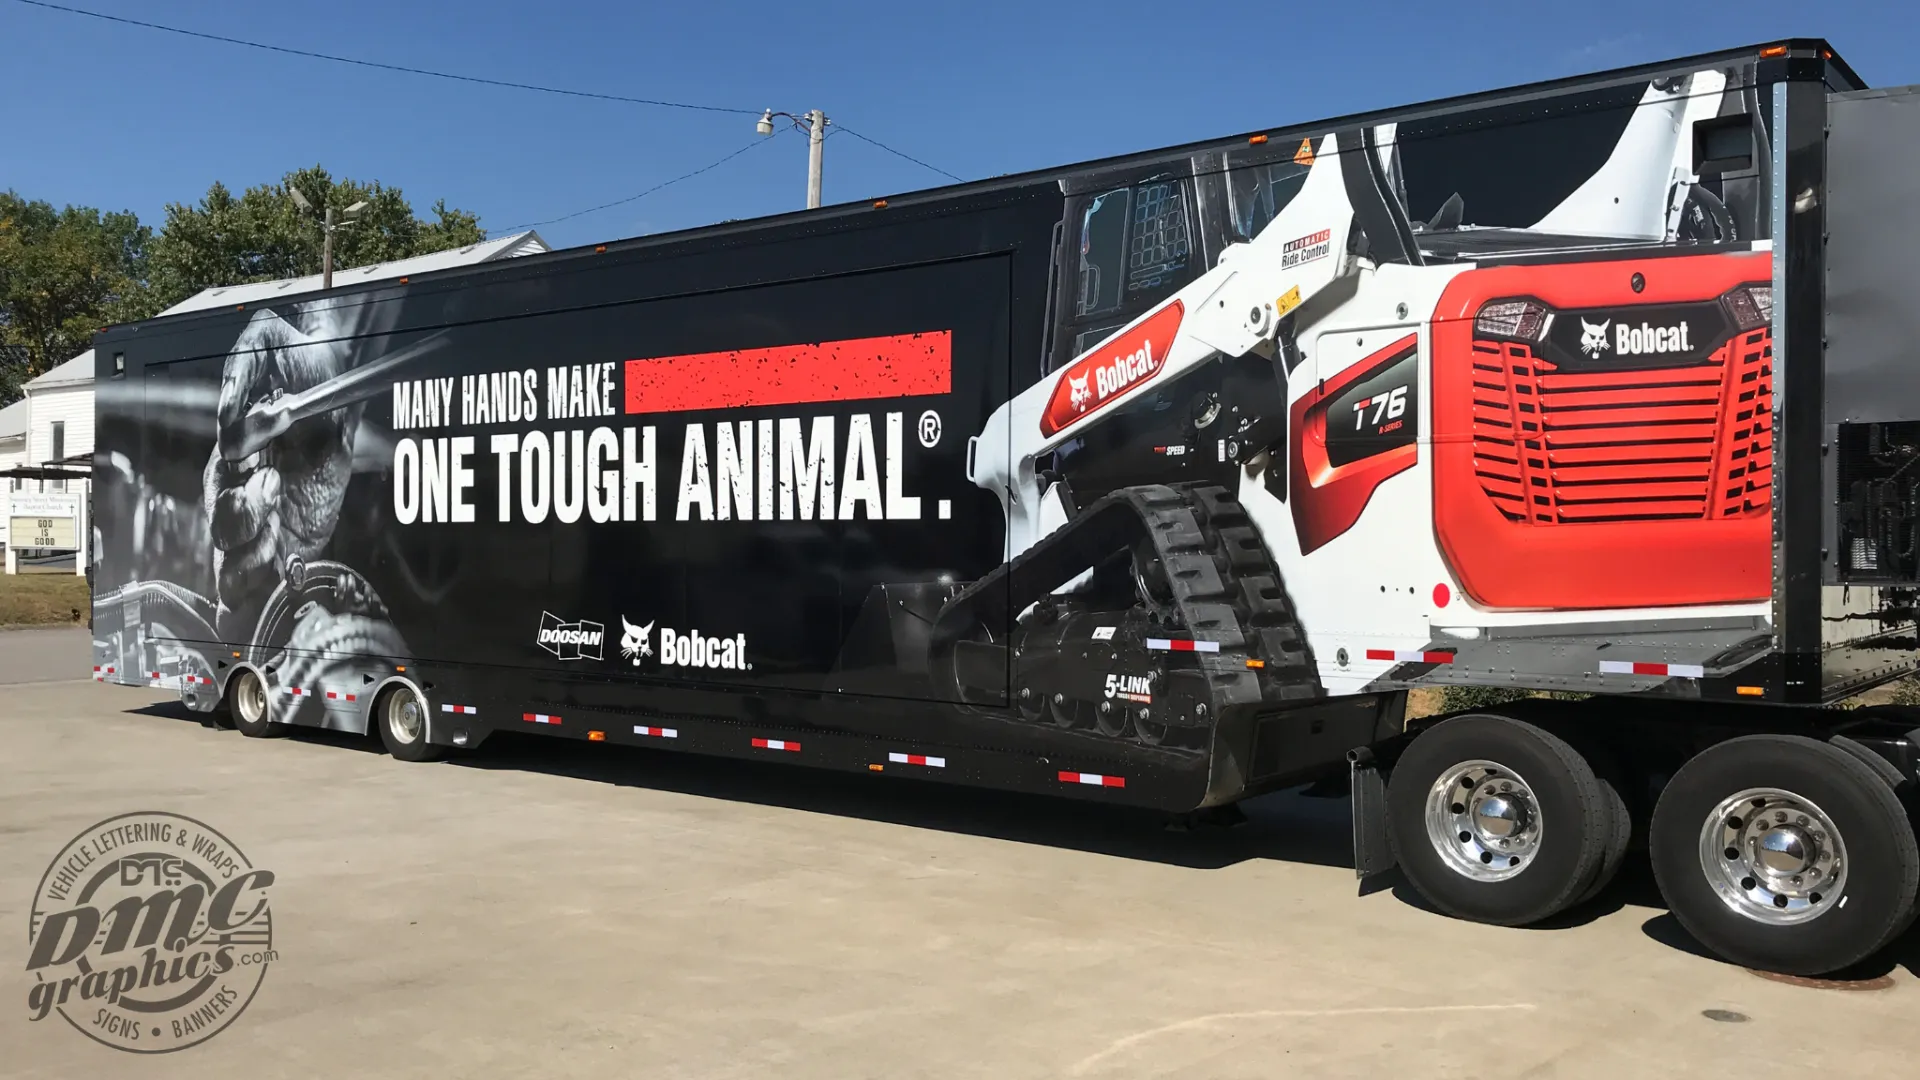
x=1220 y=586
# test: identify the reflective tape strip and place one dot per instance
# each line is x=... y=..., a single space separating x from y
x=776 y=744
x=468 y=709
x=299 y=691
x=1628 y=667
x=335 y=695
x=1408 y=656
x=1093 y=779
x=657 y=732
x=539 y=718
x=153 y=674
x=918 y=759
x=200 y=679
x=1182 y=645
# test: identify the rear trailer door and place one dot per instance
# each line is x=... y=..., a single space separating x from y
x=1872 y=386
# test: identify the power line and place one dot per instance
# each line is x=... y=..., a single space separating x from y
x=643 y=194
x=897 y=153
x=385 y=67
x=459 y=78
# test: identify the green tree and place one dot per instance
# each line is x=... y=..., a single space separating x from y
x=263 y=235
x=64 y=274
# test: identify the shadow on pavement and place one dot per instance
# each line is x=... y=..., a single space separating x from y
x=1285 y=826
x=1904 y=952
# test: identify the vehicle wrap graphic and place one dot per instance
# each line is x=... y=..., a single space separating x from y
x=1114 y=473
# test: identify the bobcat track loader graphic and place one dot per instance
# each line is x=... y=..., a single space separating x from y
x=1364 y=391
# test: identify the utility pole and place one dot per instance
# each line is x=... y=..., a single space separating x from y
x=814 y=123
x=326 y=253
x=328 y=225
x=816 y=144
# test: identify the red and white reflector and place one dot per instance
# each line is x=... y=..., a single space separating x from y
x=1092 y=779
x=918 y=759
x=1410 y=656
x=777 y=744
x=299 y=691
x=335 y=695
x=1631 y=667
x=470 y=710
x=539 y=718
x=1182 y=645
x=657 y=732
x=200 y=680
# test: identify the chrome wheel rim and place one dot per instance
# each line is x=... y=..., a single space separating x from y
x=1484 y=821
x=250 y=697
x=405 y=719
x=1773 y=856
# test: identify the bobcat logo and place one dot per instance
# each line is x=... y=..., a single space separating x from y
x=1080 y=394
x=633 y=642
x=1593 y=339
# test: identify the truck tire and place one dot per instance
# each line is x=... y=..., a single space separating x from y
x=401 y=716
x=1498 y=821
x=251 y=706
x=1786 y=854
x=1614 y=781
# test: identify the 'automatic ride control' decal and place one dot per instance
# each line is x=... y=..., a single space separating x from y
x=1115 y=367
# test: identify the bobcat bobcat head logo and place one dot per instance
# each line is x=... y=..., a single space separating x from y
x=1593 y=339
x=1080 y=394
x=633 y=642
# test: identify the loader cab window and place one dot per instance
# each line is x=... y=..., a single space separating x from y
x=1131 y=247
x=1256 y=193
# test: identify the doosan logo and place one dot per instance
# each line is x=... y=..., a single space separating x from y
x=570 y=640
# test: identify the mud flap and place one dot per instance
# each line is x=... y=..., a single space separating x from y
x=1372 y=848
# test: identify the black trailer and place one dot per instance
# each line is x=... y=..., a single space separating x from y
x=1061 y=483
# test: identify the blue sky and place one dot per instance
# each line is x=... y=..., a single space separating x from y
x=125 y=118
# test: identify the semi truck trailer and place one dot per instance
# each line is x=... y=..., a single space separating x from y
x=1159 y=480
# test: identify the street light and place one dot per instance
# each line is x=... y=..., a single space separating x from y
x=815 y=125
x=328 y=225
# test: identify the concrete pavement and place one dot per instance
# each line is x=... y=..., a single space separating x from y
x=570 y=910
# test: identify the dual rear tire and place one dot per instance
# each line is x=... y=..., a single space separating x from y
x=1776 y=852
x=399 y=715
x=1500 y=821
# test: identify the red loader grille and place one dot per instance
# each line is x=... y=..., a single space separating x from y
x=1603 y=432
x=1555 y=448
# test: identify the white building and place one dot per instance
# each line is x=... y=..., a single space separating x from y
x=13 y=451
x=52 y=427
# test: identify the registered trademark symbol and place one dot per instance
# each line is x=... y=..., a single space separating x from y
x=929 y=429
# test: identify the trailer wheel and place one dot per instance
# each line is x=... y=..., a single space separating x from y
x=402 y=717
x=1785 y=853
x=1498 y=821
x=250 y=706
x=1614 y=781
